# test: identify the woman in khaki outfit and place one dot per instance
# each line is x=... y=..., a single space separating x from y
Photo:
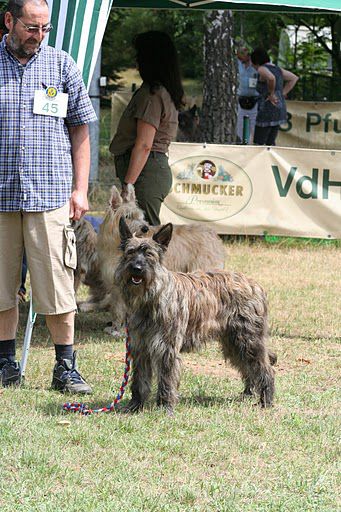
x=149 y=124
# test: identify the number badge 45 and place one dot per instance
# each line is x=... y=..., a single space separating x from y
x=50 y=103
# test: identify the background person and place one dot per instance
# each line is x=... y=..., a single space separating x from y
x=273 y=85
x=149 y=124
x=247 y=93
x=37 y=156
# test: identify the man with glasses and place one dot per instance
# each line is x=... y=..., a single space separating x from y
x=44 y=170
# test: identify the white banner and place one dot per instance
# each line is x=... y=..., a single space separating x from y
x=312 y=125
x=256 y=190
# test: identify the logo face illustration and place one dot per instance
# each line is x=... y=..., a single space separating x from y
x=208 y=188
x=206 y=169
x=51 y=92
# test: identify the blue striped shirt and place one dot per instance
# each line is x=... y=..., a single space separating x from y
x=35 y=150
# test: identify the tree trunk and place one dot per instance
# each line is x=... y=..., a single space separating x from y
x=219 y=107
x=336 y=42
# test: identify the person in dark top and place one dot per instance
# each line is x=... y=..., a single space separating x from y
x=274 y=83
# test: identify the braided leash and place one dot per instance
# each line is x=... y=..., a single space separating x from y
x=84 y=410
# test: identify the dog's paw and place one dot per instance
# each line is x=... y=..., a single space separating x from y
x=131 y=407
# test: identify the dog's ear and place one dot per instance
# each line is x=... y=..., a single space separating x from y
x=164 y=235
x=193 y=110
x=125 y=232
x=116 y=199
x=128 y=194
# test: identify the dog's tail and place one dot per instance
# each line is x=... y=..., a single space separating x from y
x=272 y=357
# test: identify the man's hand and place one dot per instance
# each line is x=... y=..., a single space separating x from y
x=78 y=205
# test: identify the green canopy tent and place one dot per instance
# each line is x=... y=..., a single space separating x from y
x=304 y=6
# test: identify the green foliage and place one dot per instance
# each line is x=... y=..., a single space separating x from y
x=184 y=27
x=323 y=44
x=259 y=29
x=307 y=59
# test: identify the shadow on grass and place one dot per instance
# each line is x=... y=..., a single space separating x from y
x=55 y=408
x=209 y=401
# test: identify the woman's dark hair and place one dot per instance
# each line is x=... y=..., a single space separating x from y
x=2 y=23
x=157 y=61
x=259 y=56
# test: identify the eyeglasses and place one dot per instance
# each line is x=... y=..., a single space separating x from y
x=34 y=29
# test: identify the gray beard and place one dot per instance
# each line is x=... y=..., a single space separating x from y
x=18 y=49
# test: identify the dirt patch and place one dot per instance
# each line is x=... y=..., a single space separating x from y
x=211 y=368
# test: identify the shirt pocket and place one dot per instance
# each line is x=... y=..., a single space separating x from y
x=70 y=255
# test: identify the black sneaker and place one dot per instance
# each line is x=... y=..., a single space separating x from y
x=9 y=373
x=67 y=379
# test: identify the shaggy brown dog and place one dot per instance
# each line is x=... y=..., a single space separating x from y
x=170 y=312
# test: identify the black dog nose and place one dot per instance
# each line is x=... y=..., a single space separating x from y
x=145 y=229
x=136 y=269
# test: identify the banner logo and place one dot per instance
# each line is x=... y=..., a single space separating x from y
x=208 y=188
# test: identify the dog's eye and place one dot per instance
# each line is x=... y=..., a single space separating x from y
x=147 y=252
x=130 y=251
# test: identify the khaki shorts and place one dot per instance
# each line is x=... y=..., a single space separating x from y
x=50 y=247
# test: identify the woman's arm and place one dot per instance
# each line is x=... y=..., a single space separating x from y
x=140 y=152
x=270 y=79
x=290 y=80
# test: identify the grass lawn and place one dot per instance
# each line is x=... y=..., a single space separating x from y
x=217 y=453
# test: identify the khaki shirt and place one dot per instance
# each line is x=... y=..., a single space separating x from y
x=156 y=109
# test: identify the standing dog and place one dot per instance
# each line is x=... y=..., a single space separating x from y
x=170 y=312
x=192 y=247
